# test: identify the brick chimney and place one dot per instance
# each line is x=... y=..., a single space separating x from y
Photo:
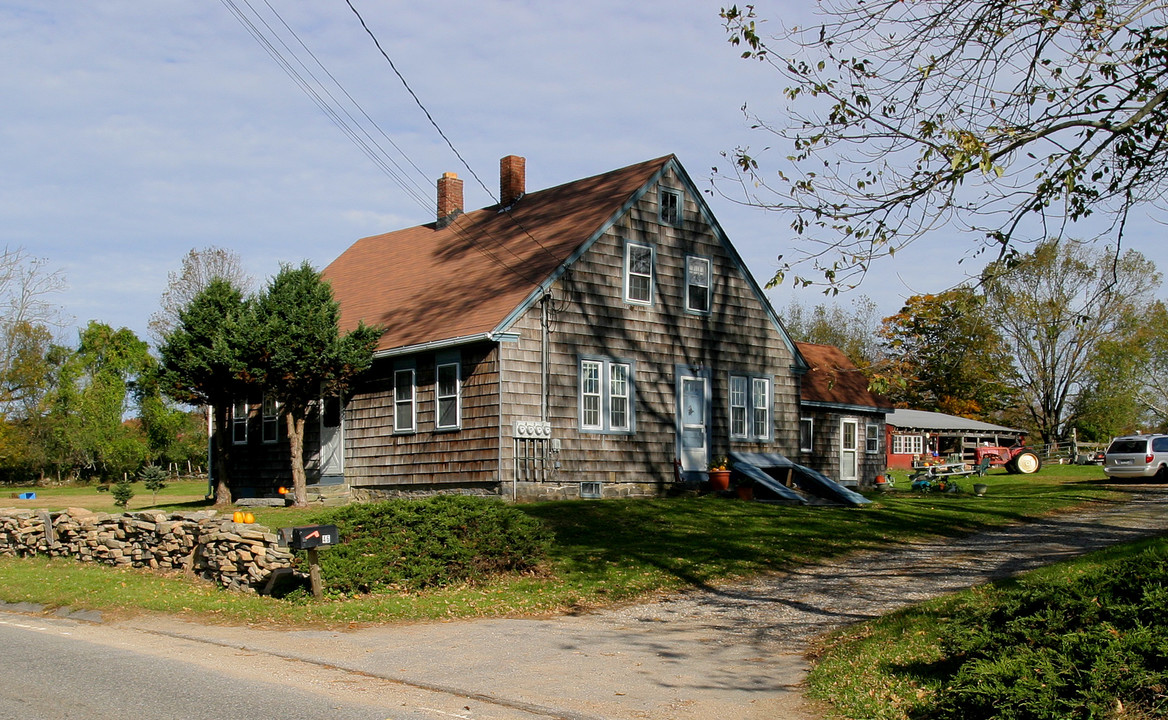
x=449 y=198
x=512 y=179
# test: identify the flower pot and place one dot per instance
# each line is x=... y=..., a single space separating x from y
x=881 y=484
x=979 y=489
x=719 y=480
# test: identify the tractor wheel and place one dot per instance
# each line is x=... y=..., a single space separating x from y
x=1026 y=463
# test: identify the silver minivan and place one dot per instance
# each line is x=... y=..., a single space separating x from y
x=1137 y=456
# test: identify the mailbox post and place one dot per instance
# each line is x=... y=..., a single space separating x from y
x=311 y=538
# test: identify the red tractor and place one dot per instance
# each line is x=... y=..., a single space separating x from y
x=1016 y=459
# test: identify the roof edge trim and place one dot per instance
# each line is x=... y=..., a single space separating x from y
x=447 y=343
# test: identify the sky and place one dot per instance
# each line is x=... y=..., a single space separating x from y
x=132 y=132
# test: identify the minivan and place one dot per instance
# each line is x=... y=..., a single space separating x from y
x=1137 y=456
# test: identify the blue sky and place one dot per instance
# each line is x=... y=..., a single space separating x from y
x=132 y=132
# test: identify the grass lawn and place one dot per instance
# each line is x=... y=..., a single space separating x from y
x=605 y=551
x=178 y=495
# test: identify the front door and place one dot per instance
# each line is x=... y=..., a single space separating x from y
x=849 y=451
x=693 y=422
x=332 y=454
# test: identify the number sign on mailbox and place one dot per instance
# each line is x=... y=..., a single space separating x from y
x=310 y=536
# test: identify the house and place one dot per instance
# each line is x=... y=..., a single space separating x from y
x=912 y=433
x=601 y=338
x=841 y=426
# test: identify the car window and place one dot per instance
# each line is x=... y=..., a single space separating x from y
x=1137 y=445
x=1160 y=444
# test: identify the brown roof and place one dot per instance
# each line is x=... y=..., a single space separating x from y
x=835 y=379
x=428 y=284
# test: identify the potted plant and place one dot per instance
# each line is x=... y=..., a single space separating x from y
x=744 y=486
x=720 y=474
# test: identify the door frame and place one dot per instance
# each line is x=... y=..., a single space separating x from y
x=844 y=450
x=696 y=470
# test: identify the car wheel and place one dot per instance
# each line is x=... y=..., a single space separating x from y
x=1162 y=474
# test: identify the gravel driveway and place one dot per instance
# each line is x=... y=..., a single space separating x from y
x=732 y=652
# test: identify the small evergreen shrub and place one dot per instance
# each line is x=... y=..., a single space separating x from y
x=1095 y=646
x=122 y=493
x=431 y=542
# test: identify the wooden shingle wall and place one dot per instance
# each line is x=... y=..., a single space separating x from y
x=591 y=318
x=378 y=458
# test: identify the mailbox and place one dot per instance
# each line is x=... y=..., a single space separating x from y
x=311 y=536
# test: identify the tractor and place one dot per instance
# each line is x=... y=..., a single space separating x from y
x=1016 y=459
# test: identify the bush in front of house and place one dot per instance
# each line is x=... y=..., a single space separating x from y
x=431 y=542
x=1091 y=646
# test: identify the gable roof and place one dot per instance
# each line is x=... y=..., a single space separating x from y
x=426 y=284
x=834 y=380
x=431 y=286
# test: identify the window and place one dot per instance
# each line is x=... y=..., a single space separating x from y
x=872 y=438
x=639 y=274
x=271 y=424
x=449 y=390
x=761 y=408
x=404 y=410
x=697 y=284
x=606 y=395
x=670 y=207
x=907 y=444
x=806 y=434
x=750 y=408
x=239 y=423
x=591 y=489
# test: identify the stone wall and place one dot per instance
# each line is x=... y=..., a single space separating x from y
x=234 y=555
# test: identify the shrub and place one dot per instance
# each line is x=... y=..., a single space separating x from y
x=426 y=543
x=1085 y=648
x=122 y=493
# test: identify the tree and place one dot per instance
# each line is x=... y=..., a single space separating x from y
x=27 y=318
x=202 y=361
x=945 y=354
x=95 y=391
x=199 y=268
x=1123 y=392
x=1008 y=119
x=830 y=324
x=300 y=354
x=1056 y=308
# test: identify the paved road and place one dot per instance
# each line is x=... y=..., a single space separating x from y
x=733 y=652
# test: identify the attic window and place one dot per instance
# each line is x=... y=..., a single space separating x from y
x=670 y=207
x=639 y=273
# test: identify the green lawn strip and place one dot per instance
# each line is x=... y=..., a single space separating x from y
x=178 y=495
x=608 y=551
x=893 y=667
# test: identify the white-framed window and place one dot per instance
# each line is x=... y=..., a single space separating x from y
x=239 y=422
x=738 y=384
x=760 y=406
x=448 y=396
x=607 y=397
x=806 y=434
x=907 y=444
x=697 y=284
x=639 y=273
x=271 y=423
x=404 y=407
x=670 y=207
x=750 y=407
x=872 y=438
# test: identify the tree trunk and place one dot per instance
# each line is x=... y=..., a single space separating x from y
x=221 y=448
x=295 y=422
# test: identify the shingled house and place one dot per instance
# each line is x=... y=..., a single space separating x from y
x=842 y=423
x=600 y=338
